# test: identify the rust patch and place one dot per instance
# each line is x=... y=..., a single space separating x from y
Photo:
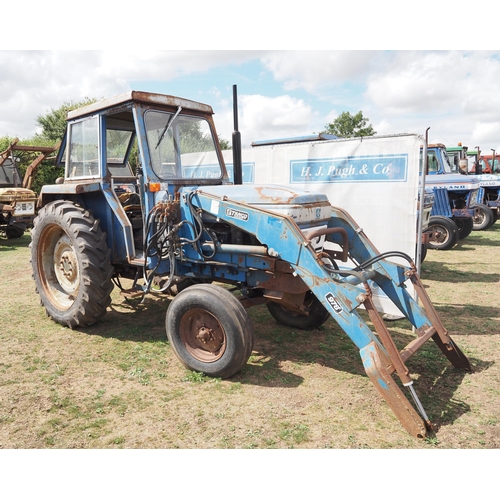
x=275 y=199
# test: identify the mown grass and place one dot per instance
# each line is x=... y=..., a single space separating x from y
x=117 y=384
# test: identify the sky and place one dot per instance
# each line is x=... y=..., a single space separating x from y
x=281 y=93
x=296 y=69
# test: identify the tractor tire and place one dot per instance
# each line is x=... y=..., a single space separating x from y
x=484 y=219
x=318 y=314
x=423 y=252
x=13 y=232
x=71 y=264
x=209 y=330
x=465 y=226
x=444 y=233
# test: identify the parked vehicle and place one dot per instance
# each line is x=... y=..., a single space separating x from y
x=170 y=224
x=490 y=164
x=488 y=198
x=455 y=199
x=458 y=159
x=17 y=199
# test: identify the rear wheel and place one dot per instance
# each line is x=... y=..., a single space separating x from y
x=318 y=314
x=71 y=264
x=209 y=330
x=484 y=218
x=444 y=233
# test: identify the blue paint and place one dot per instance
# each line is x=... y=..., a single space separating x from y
x=382 y=384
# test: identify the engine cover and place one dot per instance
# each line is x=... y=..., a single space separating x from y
x=307 y=209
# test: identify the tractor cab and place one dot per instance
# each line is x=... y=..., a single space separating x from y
x=128 y=153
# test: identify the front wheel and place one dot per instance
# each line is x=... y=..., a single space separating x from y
x=484 y=218
x=209 y=330
x=71 y=264
x=465 y=226
x=444 y=233
x=13 y=232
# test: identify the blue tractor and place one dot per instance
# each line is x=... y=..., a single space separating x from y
x=489 y=183
x=455 y=200
x=176 y=223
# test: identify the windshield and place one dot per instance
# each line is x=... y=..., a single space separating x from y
x=9 y=174
x=181 y=146
x=446 y=162
x=433 y=162
x=454 y=161
x=496 y=166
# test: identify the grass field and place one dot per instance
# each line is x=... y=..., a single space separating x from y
x=117 y=384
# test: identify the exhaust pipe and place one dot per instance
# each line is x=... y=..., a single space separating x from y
x=237 y=164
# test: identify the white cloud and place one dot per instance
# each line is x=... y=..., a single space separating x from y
x=263 y=117
x=34 y=82
x=453 y=92
x=164 y=65
x=428 y=82
x=486 y=133
x=312 y=70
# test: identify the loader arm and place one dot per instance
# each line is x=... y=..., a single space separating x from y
x=342 y=291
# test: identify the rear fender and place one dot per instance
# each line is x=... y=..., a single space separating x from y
x=101 y=200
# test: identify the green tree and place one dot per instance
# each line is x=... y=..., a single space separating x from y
x=5 y=142
x=347 y=125
x=225 y=144
x=54 y=123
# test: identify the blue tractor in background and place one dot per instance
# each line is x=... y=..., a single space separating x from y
x=176 y=224
x=471 y=162
x=455 y=200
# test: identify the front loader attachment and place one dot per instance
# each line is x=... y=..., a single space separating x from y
x=342 y=275
x=381 y=357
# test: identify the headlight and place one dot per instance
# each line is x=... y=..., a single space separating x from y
x=25 y=208
x=473 y=197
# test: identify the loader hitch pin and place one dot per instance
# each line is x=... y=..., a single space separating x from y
x=419 y=405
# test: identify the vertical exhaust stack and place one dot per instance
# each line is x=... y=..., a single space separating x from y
x=478 y=170
x=237 y=165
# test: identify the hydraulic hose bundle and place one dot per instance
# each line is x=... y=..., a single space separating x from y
x=165 y=242
x=161 y=244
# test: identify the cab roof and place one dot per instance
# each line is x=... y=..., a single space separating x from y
x=149 y=98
